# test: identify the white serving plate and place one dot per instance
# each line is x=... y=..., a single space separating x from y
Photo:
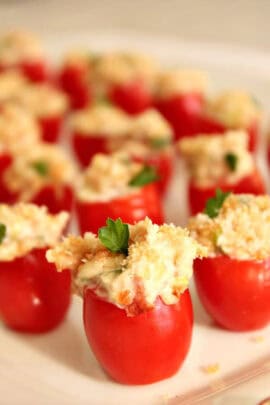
x=59 y=368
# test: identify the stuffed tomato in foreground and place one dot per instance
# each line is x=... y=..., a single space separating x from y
x=233 y=282
x=115 y=186
x=219 y=161
x=34 y=297
x=137 y=310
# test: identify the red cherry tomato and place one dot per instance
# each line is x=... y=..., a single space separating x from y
x=141 y=349
x=163 y=163
x=252 y=184
x=235 y=293
x=57 y=200
x=133 y=98
x=34 y=297
x=86 y=146
x=73 y=80
x=130 y=208
x=183 y=113
x=5 y=195
x=36 y=71
x=51 y=128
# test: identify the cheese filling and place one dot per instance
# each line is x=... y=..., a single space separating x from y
x=18 y=46
x=158 y=264
x=11 y=84
x=181 y=81
x=241 y=230
x=235 y=109
x=41 y=166
x=108 y=177
x=28 y=227
x=206 y=158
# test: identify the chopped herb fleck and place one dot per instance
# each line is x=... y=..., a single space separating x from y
x=3 y=231
x=214 y=204
x=41 y=168
x=231 y=160
x=115 y=236
x=147 y=175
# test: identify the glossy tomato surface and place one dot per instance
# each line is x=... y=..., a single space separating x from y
x=130 y=208
x=51 y=128
x=5 y=195
x=86 y=146
x=34 y=297
x=235 y=293
x=252 y=184
x=182 y=112
x=133 y=98
x=57 y=200
x=36 y=71
x=141 y=349
x=73 y=80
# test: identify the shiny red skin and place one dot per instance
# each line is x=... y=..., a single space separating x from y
x=235 y=293
x=183 y=113
x=86 y=146
x=56 y=200
x=51 y=128
x=141 y=349
x=34 y=297
x=207 y=125
x=35 y=71
x=163 y=163
x=130 y=208
x=252 y=184
x=133 y=98
x=5 y=195
x=73 y=80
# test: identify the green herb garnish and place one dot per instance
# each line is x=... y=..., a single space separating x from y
x=214 y=204
x=160 y=143
x=231 y=160
x=115 y=236
x=3 y=231
x=147 y=175
x=103 y=100
x=41 y=167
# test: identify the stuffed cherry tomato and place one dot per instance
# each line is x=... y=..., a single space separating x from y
x=219 y=161
x=180 y=98
x=233 y=283
x=43 y=176
x=232 y=110
x=93 y=129
x=34 y=297
x=133 y=281
x=114 y=186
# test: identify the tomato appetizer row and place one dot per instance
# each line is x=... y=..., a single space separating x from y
x=124 y=122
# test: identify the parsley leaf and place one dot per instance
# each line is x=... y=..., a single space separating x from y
x=147 y=175
x=3 y=231
x=41 y=167
x=160 y=143
x=214 y=204
x=231 y=160
x=115 y=236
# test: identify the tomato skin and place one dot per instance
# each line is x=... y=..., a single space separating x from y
x=251 y=184
x=133 y=98
x=207 y=125
x=130 y=208
x=73 y=80
x=182 y=112
x=56 y=200
x=51 y=128
x=34 y=297
x=86 y=146
x=235 y=293
x=5 y=195
x=142 y=349
x=35 y=71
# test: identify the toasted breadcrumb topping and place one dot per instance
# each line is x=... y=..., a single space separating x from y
x=241 y=230
x=19 y=46
x=43 y=100
x=158 y=264
x=18 y=128
x=107 y=177
x=11 y=84
x=150 y=125
x=29 y=227
x=181 y=81
x=234 y=108
x=205 y=156
x=100 y=120
x=45 y=164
